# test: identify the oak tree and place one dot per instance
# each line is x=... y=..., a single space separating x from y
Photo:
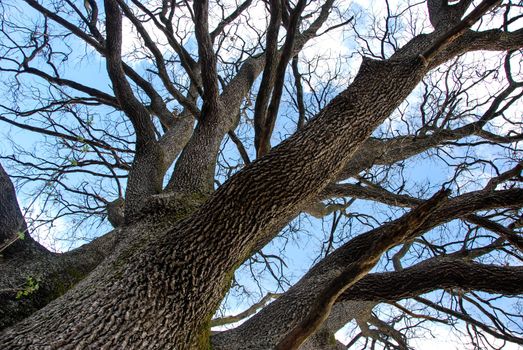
x=216 y=135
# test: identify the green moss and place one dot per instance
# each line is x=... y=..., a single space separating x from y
x=60 y=288
x=60 y=283
x=185 y=204
x=204 y=339
x=127 y=255
x=332 y=339
x=76 y=274
x=167 y=209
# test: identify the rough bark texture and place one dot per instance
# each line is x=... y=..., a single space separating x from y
x=340 y=314
x=166 y=262
x=158 y=278
x=13 y=223
x=444 y=273
x=54 y=273
x=307 y=296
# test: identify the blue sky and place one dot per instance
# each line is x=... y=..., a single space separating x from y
x=303 y=244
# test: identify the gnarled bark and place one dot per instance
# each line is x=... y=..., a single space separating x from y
x=341 y=269
x=25 y=259
x=172 y=263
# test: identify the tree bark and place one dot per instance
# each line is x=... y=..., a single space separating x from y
x=172 y=264
x=13 y=229
x=344 y=267
x=168 y=281
x=54 y=273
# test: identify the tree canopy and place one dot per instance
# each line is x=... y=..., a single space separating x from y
x=260 y=174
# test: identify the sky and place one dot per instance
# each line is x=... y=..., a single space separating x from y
x=303 y=252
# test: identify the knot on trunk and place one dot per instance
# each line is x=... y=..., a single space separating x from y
x=116 y=212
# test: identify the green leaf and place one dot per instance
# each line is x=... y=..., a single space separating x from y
x=31 y=286
x=21 y=235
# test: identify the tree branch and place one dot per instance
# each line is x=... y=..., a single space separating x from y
x=229 y=19
x=244 y=314
x=355 y=259
x=444 y=273
x=55 y=274
x=13 y=223
x=268 y=77
x=210 y=109
x=146 y=175
x=287 y=53
x=458 y=30
x=316 y=289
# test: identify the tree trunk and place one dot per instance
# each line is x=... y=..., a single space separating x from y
x=162 y=284
x=175 y=256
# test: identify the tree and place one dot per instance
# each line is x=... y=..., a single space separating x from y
x=188 y=210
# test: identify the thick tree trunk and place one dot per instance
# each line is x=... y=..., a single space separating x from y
x=25 y=265
x=169 y=271
x=14 y=237
x=161 y=286
x=54 y=273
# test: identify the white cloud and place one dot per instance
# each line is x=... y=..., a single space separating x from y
x=45 y=233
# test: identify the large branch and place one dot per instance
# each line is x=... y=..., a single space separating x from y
x=442 y=15
x=194 y=171
x=310 y=295
x=430 y=275
x=175 y=139
x=136 y=112
x=240 y=85
x=146 y=175
x=269 y=75
x=443 y=274
x=54 y=274
x=210 y=108
x=457 y=30
x=489 y=40
x=389 y=151
x=341 y=313
x=264 y=140
x=13 y=225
